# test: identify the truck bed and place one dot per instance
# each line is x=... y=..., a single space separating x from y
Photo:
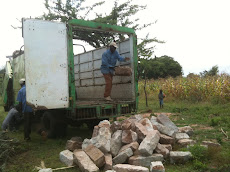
x=90 y=102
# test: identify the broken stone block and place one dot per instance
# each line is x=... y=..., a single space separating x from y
x=129 y=136
x=157 y=167
x=134 y=146
x=162 y=150
x=46 y=170
x=116 y=125
x=163 y=119
x=138 y=117
x=147 y=124
x=84 y=162
x=186 y=129
x=74 y=143
x=76 y=138
x=129 y=168
x=85 y=143
x=104 y=123
x=95 y=131
x=186 y=142
x=167 y=146
x=95 y=155
x=133 y=126
x=116 y=143
x=210 y=144
x=164 y=139
x=163 y=129
x=108 y=162
x=179 y=157
x=153 y=119
x=149 y=143
x=145 y=161
x=180 y=136
x=101 y=141
x=66 y=157
x=123 y=156
x=140 y=130
x=126 y=125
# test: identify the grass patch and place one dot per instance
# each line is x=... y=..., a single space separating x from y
x=205 y=118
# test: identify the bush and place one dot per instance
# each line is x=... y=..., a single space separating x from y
x=215 y=121
x=197 y=165
x=199 y=153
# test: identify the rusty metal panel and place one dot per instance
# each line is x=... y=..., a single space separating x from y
x=89 y=81
x=46 y=66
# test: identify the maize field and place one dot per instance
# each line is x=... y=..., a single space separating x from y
x=212 y=89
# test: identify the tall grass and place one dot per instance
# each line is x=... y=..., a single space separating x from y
x=214 y=88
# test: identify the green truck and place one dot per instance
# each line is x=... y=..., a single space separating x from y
x=59 y=80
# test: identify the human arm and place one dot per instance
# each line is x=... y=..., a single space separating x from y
x=19 y=105
x=120 y=58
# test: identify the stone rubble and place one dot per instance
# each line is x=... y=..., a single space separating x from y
x=136 y=144
x=129 y=168
x=74 y=143
x=95 y=155
x=84 y=162
x=66 y=157
x=157 y=166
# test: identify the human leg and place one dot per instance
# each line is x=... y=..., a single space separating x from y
x=27 y=125
x=108 y=84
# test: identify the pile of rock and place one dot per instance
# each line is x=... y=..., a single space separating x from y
x=135 y=144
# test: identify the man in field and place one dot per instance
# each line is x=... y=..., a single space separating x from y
x=25 y=109
x=109 y=60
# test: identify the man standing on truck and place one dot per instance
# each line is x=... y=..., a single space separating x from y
x=25 y=109
x=109 y=60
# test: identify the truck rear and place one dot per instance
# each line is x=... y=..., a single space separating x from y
x=58 y=79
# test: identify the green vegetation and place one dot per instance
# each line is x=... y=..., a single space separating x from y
x=159 y=67
x=207 y=118
x=121 y=14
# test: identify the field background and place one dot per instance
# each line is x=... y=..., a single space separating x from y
x=202 y=103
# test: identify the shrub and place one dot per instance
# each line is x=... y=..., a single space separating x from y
x=215 y=121
x=197 y=165
x=199 y=153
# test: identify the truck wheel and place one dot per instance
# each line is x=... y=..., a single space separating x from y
x=91 y=123
x=55 y=125
x=46 y=120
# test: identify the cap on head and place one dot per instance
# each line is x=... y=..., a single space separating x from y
x=113 y=44
x=21 y=81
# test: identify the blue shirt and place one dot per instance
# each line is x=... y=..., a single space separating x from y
x=22 y=98
x=109 y=61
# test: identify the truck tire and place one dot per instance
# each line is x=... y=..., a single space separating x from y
x=55 y=126
x=91 y=123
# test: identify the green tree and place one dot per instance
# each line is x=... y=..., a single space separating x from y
x=212 y=72
x=121 y=14
x=160 y=67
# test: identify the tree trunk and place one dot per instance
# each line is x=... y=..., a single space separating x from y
x=146 y=98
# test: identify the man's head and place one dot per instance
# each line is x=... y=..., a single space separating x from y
x=112 y=47
x=22 y=81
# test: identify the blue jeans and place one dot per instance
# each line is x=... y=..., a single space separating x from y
x=161 y=102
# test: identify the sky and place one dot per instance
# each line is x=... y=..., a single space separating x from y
x=196 y=32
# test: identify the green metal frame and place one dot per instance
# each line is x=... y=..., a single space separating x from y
x=72 y=94
x=89 y=25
